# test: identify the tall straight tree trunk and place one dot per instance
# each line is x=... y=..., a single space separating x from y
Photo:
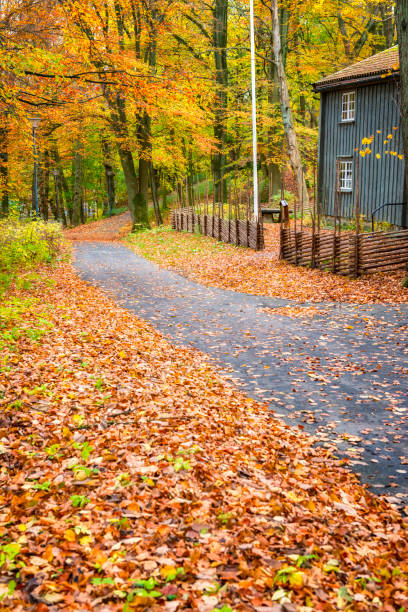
x=287 y=118
x=63 y=189
x=4 y=210
x=77 y=188
x=153 y=183
x=273 y=100
x=387 y=18
x=109 y=202
x=274 y=171
x=44 y=183
x=220 y=39
x=401 y=17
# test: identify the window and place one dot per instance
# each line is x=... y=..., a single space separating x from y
x=348 y=108
x=346 y=174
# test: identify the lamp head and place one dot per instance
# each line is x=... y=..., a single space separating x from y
x=35 y=122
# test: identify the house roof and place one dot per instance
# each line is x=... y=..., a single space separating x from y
x=380 y=64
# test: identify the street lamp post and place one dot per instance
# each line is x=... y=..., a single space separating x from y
x=253 y=88
x=35 y=123
x=55 y=173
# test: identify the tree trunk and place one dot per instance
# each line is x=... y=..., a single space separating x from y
x=153 y=183
x=77 y=188
x=44 y=183
x=4 y=210
x=109 y=201
x=293 y=149
x=387 y=18
x=144 y=165
x=274 y=140
x=63 y=189
x=137 y=203
x=220 y=39
x=401 y=18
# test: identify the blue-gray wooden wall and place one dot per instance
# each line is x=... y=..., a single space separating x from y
x=381 y=180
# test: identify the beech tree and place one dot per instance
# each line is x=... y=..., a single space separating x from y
x=401 y=15
x=287 y=116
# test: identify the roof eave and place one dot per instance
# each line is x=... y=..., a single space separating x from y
x=359 y=80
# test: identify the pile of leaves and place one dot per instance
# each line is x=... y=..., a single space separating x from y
x=134 y=477
x=226 y=266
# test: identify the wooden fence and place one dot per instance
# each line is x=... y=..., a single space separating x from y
x=349 y=254
x=235 y=231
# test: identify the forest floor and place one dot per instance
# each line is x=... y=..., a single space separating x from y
x=135 y=477
x=112 y=228
x=216 y=264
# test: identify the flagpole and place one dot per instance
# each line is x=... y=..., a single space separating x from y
x=253 y=84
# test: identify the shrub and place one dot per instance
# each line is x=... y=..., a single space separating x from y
x=24 y=244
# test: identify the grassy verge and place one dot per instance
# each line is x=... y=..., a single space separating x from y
x=134 y=477
x=216 y=264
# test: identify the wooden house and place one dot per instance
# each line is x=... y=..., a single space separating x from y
x=360 y=119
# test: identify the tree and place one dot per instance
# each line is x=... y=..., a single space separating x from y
x=401 y=16
x=287 y=118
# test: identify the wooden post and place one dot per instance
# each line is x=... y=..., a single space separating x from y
x=295 y=228
x=336 y=187
x=229 y=212
x=301 y=212
x=356 y=262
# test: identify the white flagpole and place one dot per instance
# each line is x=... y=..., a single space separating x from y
x=254 y=139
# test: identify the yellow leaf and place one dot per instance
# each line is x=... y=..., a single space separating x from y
x=22 y=527
x=167 y=570
x=70 y=535
x=378 y=156
x=86 y=540
x=389 y=136
x=53 y=598
x=400 y=157
x=293 y=497
x=296 y=579
x=122 y=354
x=81 y=475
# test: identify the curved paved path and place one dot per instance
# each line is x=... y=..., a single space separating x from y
x=341 y=374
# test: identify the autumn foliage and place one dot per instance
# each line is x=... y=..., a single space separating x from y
x=135 y=477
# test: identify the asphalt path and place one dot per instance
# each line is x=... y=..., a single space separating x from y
x=337 y=370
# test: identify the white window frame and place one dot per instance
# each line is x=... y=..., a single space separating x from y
x=348 y=106
x=345 y=178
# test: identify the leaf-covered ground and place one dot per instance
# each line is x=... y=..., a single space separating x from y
x=222 y=265
x=104 y=229
x=134 y=476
